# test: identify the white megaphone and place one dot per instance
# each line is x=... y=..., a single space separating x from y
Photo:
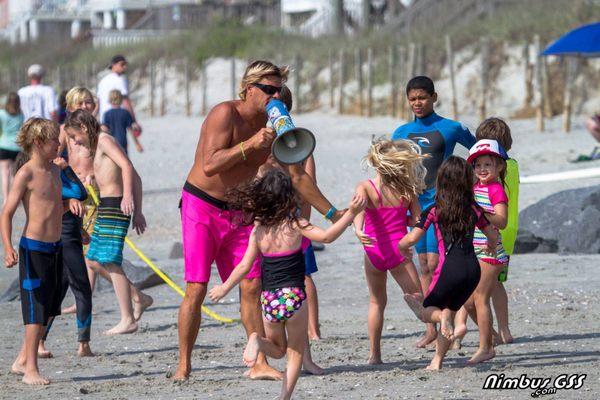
x=292 y=145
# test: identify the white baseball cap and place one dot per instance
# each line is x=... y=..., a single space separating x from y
x=35 y=70
x=486 y=146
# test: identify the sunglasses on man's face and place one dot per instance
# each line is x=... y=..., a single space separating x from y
x=268 y=89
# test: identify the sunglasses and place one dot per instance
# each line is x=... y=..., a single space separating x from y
x=268 y=89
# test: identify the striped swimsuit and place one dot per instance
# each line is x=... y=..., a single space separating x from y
x=487 y=196
x=110 y=230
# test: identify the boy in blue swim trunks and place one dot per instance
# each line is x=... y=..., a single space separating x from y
x=38 y=186
x=437 y=136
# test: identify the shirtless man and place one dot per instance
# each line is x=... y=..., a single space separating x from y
x=120 y=199
x=233 y=144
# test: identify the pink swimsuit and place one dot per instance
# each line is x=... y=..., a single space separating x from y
x=387 y=225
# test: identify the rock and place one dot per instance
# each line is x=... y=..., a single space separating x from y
x=141 y=276
x=565 y=222
x=176 y=251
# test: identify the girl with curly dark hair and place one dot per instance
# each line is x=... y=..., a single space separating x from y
x=272 y=205
x=454 y=215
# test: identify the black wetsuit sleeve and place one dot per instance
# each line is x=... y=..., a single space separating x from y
x=72 y=188
x=426 y=218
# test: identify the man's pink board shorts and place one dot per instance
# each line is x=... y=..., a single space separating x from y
x=211 y=233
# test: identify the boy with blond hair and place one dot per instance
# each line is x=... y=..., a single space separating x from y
x=38 y=185
x=118 y=120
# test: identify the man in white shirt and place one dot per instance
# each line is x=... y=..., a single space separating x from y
x=116 y=80
x=38 y=100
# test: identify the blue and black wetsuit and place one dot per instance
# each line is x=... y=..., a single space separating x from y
x=74 y=269
x=437 y=136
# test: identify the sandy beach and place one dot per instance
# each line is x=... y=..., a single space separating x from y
x=554 y=315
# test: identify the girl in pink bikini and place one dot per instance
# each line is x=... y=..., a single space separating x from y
x=400 y=177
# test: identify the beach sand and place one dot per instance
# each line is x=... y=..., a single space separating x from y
x=554 y=316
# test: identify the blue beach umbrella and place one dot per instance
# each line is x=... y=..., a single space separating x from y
x=583 y=41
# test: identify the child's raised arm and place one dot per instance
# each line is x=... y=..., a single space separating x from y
x=239 y=272
x=109 y=146
x=17 y=191
x=357 y=204
x=415 y=211
x=359 y=220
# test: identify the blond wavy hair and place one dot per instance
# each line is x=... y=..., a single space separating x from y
x=399 y=164
x=36 y=130
x=257 y=70
x=76 y=95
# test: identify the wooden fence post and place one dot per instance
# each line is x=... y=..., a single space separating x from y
x=331 y=81
x=152 y=67
x=163 y=89
x=186 y=77
x=450 y=56
x=571 y=69
x=297 y=76
x=528 y=74
x=204 y=80
x=393 y=83
x=539 y=95
x=370 y=82
x=342 y=71
x=485 y=53
x=412 y=54
x=401 y=82
x=359 y=80
x=233 y=86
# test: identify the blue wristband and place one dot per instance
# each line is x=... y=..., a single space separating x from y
x=330 y=213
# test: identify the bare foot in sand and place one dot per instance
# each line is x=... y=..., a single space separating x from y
x=251 y=351
x=374 y=359
x=446 y=327
x=85 y=350
x=314 y=336
x=43 y=352
x=69 y=310
x=263 y=372
x=435 y=365
x=415 y=305
x=182 y=374
x=456 y=343
x=34 y=378
x=122 y=328
x=460 y=331
x=139 y=308
x=506 y=337
x=18 y=367
x=481 y=356
x=311 y=368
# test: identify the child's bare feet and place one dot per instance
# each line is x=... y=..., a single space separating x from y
x=251 y=351
x=415 y=304
x=18 y=367
x=182 y=374
x=263 y=372
x=456 y=343
x=506 y=337
x=85 y=350
x=69 y=310
x=374 y=359
x=481 y=356
x=435 y=365
x=312 y=368
x=139 y=308
x=34 y=378
x=446 y=326
x=43 y=352
x=122 y=328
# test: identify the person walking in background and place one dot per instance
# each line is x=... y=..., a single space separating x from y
x=118 y=120
x=11 y=120
x=116 y=80
x=38 y=100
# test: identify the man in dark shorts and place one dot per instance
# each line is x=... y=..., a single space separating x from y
x=233 y=144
